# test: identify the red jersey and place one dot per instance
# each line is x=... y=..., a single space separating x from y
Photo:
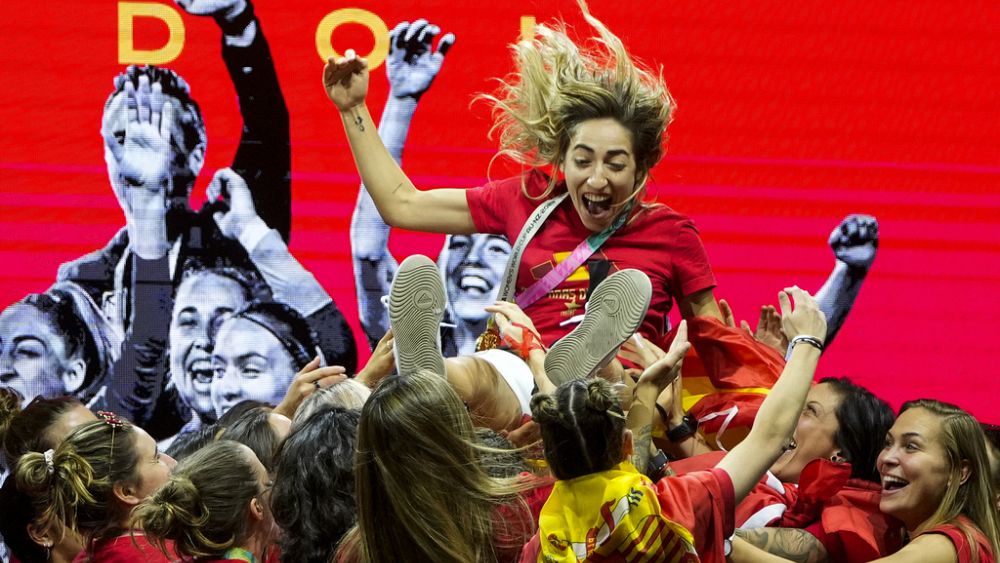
x=703 y=502
x=126 y=548
x=957 y=537
x=656 y=240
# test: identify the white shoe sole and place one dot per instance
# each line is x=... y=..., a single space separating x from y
x=614 y=312
x=416 y=307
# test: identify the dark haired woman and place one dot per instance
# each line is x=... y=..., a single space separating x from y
x=57 y=343
x=313 y=497
x=823 y=501
x=259 y=428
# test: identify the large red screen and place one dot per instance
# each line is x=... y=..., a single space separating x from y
x=791 y=116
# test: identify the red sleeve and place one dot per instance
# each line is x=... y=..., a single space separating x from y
x=692 y=272
x=958 y=539
x=703 y=502
x=492 y=205
x=501 y=208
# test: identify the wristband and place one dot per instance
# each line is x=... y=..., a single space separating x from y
x=529 y=341
x=657 y=465
x=239 y=24
x=810 y=340
x=684 y=430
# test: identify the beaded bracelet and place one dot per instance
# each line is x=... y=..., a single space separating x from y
x=811 y=340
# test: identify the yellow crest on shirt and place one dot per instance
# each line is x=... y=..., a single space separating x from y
x=612 y=515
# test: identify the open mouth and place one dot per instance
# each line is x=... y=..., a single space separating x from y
x=200 y=372
x=597 y=205
x=474 y=284
x=891 y=484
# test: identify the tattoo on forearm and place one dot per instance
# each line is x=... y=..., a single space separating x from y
x=359 y=121
x=791 y=543
x=641 y=442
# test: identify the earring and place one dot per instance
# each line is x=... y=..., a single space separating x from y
x=48 y=551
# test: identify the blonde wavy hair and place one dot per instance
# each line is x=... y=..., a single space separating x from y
x=75 y=491
x=559 y=83
x=422 y=494
x=963 y=441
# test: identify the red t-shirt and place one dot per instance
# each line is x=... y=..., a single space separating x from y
x=657 y=240
x=962 y=546
x=123 y=549
x=704 y=503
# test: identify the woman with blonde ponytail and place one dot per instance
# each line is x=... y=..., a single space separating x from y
x=212 y=508
x=422 y=494
x=90 y=483
x=40 y=426
x=587 y=123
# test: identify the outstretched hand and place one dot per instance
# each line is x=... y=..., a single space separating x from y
x=381 y=364
x=230 y=188
x=640 y=351
x=512 y=322
x=145 y=175
x=412 y=64
x=311 y=378
x=805 y=319
x=768 y=329
x=664 y=370
x=855 y=241
x=346 y=80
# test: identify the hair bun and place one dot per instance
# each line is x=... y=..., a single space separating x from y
x=10 y=405
x=544 y=409
x=601 y=396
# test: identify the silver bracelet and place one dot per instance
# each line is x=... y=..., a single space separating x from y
x=811 y=340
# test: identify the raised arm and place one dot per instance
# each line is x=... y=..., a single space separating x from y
x=288 y=279
x=374 y=265
x=778 y=414
x=398 y=201
x=854 y=243
x=654 y=380
x=140 y=372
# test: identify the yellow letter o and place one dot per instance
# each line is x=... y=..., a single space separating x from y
x=335 y=19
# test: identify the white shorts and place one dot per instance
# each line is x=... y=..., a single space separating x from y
x=515 y=372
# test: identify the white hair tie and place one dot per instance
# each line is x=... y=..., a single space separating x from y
x=49 y=453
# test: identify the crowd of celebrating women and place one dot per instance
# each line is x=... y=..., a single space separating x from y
x=564 y=437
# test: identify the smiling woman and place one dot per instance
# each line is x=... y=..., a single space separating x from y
x=257 y=353
x=596 y=121
x=473 y=267
x=936 y=479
